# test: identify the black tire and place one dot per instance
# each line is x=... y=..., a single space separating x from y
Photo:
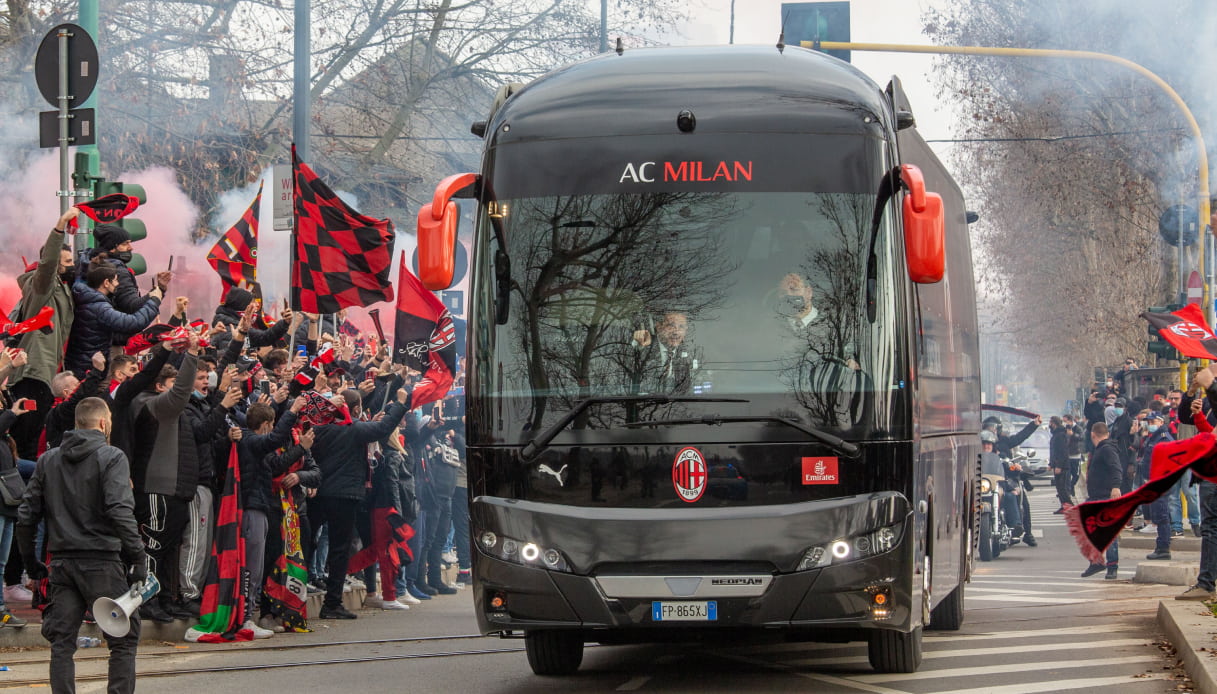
x=997 y=548
x=986 y=539
x=894 y=651
x=554 y=652
x=948 y=616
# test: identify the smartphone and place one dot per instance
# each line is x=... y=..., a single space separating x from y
x=264 y=386
x=302 y=350
x=31 y=405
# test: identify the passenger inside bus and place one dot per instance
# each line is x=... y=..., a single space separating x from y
x=667 y=362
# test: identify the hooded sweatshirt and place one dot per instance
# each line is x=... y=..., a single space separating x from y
x=83 y=491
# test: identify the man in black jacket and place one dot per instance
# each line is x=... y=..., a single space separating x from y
x=82 y=490
x=98 y=321
x=341 y=453
x=1103 y=479
x=1058 y=459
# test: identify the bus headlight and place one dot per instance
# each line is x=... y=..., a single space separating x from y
x=850 y=549
x=985 y=485
x=523 y=552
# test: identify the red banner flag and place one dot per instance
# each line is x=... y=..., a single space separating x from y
x=425 y=339
x=1186 y=331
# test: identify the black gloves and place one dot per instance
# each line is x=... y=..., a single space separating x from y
x=137 y=573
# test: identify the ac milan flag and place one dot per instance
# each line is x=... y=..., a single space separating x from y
x=235 y=255
x=1186 y=331
x=107 y=209
x=225 y=587
x=340 y=258
x=424 y=339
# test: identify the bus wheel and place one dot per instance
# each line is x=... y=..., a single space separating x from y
x=986 y=539
x=894 y=651
x=948 y=616
x=554 y=652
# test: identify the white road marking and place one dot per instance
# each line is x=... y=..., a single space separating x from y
x=977 y=652
x=933 y=637
x=1028 y=599
x=634 y=684
x=1006 y=668
x=1058 y=685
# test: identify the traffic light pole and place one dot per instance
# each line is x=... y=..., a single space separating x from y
x=1207 y=304
x=88 y=21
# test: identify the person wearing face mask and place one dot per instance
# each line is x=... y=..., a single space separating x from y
x=1123 y=432
x=49 y=284
x=97 y=320
x=82 y=489
x=1159 y=510
x=113 y=247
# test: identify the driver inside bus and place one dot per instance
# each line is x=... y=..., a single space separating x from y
x=668 y=361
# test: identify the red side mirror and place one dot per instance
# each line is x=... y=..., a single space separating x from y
x=437 y=224
x=924 y=229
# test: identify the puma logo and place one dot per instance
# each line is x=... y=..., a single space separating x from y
x=550 y=471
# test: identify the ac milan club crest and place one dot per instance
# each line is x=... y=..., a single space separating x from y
x=689 y=474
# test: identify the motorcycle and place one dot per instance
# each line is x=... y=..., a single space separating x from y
x=994 y=534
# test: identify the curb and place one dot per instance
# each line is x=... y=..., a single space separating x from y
x=1141 y=541
x=1171 y=573
x=30 y=636
x=1185 y=627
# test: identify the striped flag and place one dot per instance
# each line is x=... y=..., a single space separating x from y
x=1186 y=331
x=235 y=255
x=224 y=590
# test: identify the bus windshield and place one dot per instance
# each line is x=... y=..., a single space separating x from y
x=756 y=296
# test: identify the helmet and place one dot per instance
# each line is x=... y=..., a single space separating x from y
x=987 y=436
x=991 y=420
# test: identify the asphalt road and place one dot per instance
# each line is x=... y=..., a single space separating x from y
x=1033 y=625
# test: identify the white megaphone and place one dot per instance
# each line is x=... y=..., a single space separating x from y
x=113 y=615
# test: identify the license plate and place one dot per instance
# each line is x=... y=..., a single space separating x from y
x=705 y=611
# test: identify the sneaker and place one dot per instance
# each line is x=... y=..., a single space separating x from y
x=1176 y=533
x=193 y=606
x=8 y=619
x=417 y=593
x=1030 y=540
x=374 y=603
x=338 y=612
x=429 y=590
x=448 y=557
x=18 y=594
x=355 y=583
x=444 y=589
x=464 y=578
x=406 y=599
x=269 y=623
x=1111 y=573
x=1148 y=529
x=1093 y=569
x=193 y=635
x=393 y=605
x=1059 y=511
x=1196 y=530
x=1196 y=593
x=1159 y=555
x=258 y=632
x=174 y=609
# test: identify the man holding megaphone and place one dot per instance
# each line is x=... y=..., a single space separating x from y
x=83 y=491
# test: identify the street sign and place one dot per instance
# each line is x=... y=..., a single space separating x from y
x=82 y=66
x=80 y=128
x=1195 y=288
x=1178 y=222
x=281 y=200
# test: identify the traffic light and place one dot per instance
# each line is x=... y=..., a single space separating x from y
x=1157 y=345
x=134 y=227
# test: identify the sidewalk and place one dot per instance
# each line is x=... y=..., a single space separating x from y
x=1192 y=630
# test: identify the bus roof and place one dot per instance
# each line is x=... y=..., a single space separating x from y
x=729 y=89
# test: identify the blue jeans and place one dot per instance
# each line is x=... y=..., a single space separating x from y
x=6 y=545
x=1208 y=535
x=1010 y=505
x=1160 y=514
x=1184 y=486
x=1113 y=554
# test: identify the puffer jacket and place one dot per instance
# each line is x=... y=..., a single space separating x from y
x=42 y=287
x=7 y=459
x=96 y=324
x=253 y=453
x=341 y=451
x=229 y=313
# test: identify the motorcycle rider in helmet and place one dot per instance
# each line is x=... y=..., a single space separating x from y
x=1014 y=475
x=991 y=464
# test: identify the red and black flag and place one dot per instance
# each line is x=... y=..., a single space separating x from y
x=107 y=209
x=235 y=255
x=340 y=258
x=223 y=609
x=1186 y=330
x=424 y=339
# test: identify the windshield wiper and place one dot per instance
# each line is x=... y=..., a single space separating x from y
x=840 y=445
x=534 y=447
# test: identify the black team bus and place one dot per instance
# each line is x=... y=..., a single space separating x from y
x=723 y=374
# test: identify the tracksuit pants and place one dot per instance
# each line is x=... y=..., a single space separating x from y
x=196 y=544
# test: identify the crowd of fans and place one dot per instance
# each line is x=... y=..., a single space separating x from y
x=309 y=404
